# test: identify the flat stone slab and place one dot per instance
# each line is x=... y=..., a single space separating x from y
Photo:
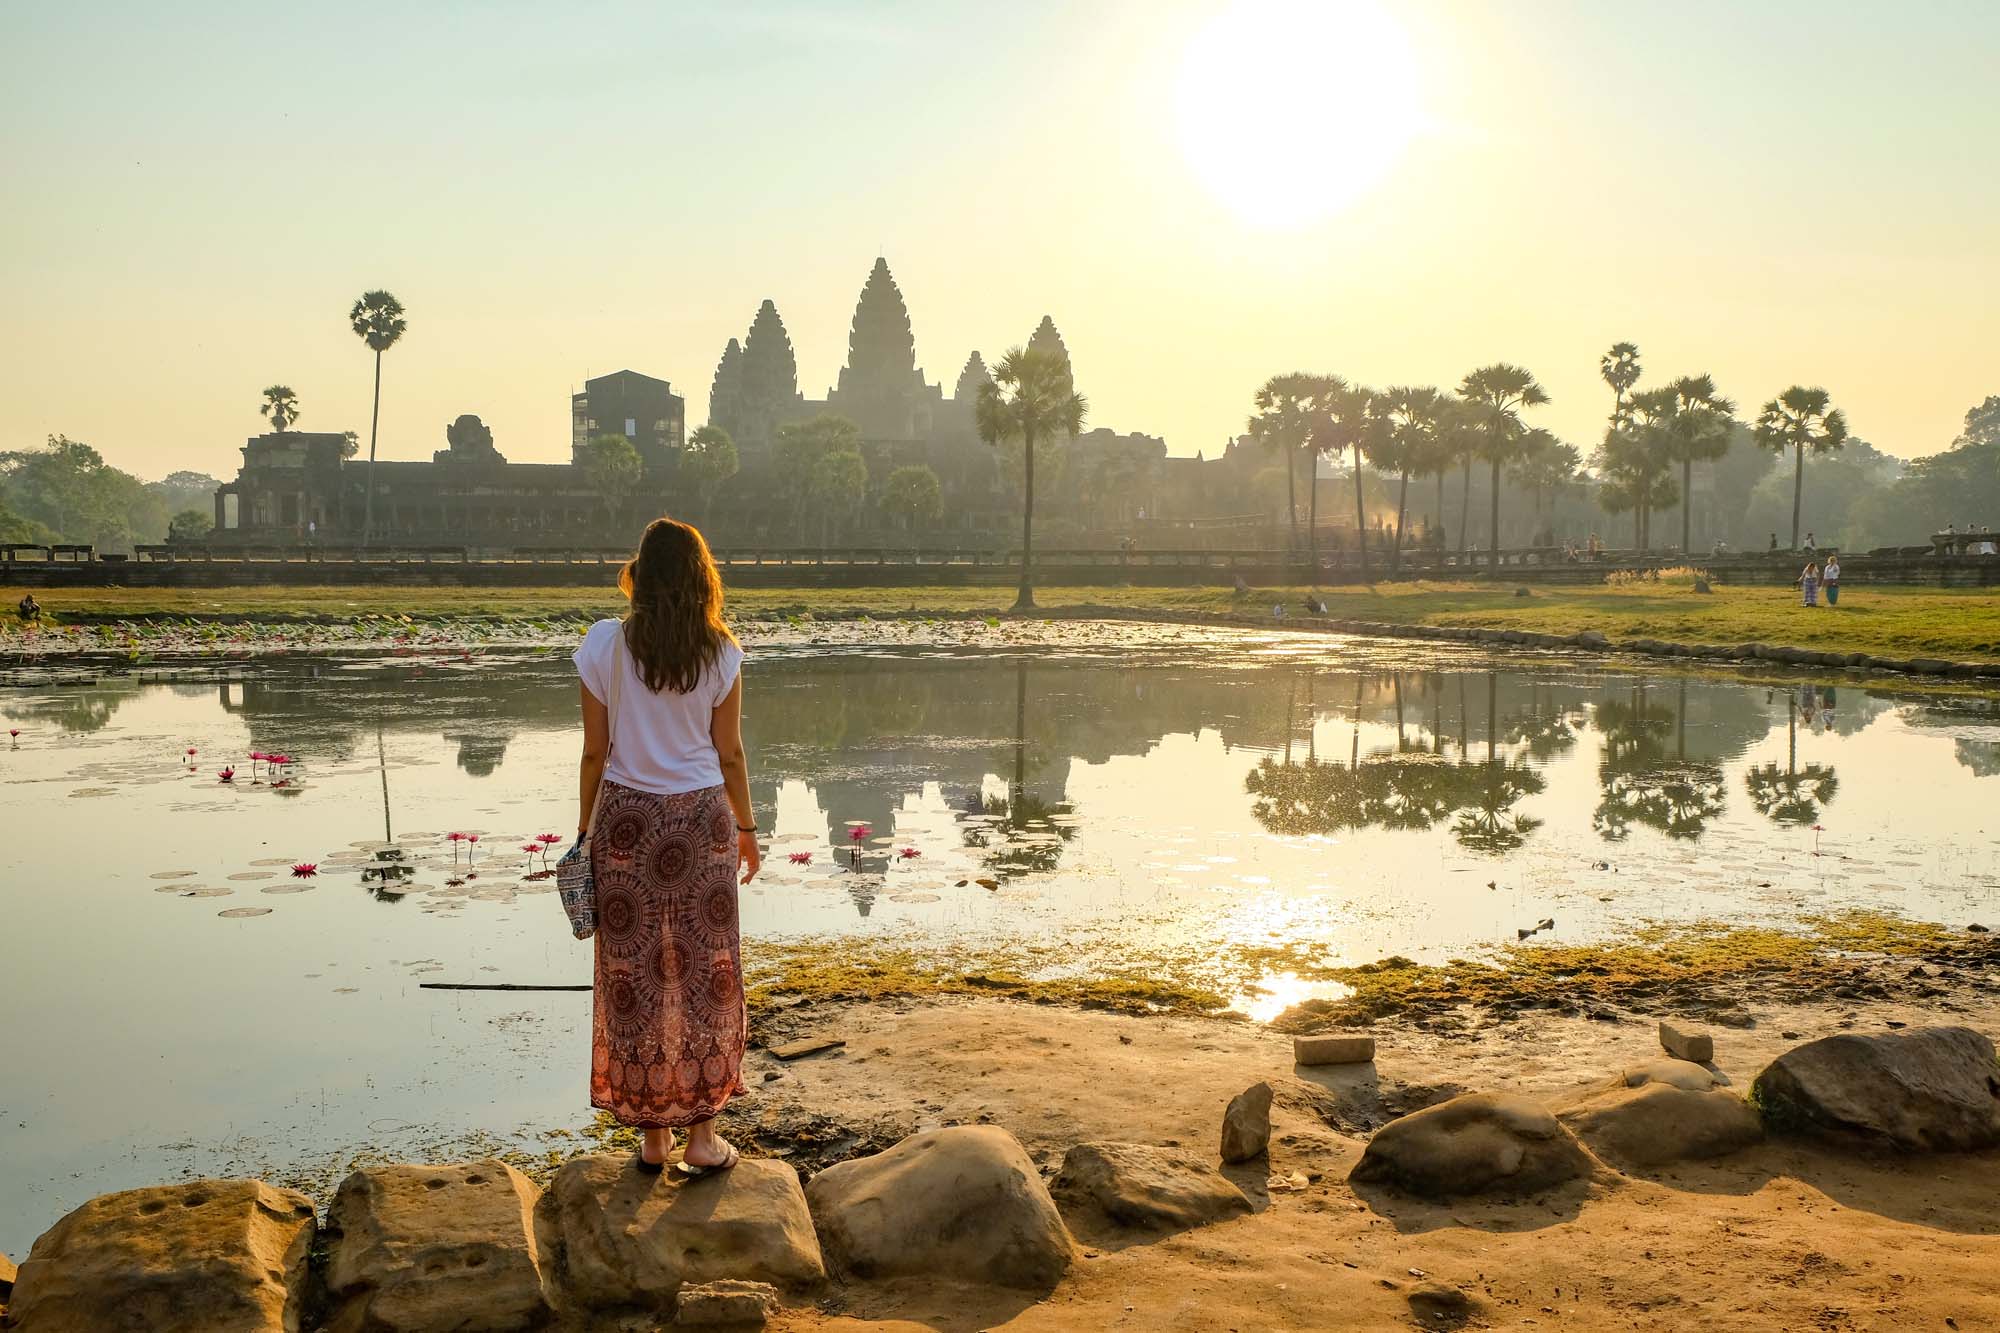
x=1333 y=1049
x=726 y=1305
x=964 y=1203
x=631 y=1238
x=1479 y=1143
x=1695 y=1047
x=209 y=1256
x=1140 y=1186
x=416 y=1248
x=1920 y=1090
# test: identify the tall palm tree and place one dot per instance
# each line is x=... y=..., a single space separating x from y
x=378 y=321
x=1636 y=461
x=1546 y=464
x=1030 y=398
x=1497 y=393
x=1458 y=442
x=1406 y=441
x=281 y=405
x=1619 y=368
x=1343 y=419
x=1284 y=423
x=1802 y=420
x=1698 y=427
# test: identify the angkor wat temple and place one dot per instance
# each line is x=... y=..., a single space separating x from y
x=1100 y=487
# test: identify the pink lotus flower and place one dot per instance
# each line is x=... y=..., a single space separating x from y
x=305 y=870
x=909 y=853
x=454 y=837
x=472 y=837
x=533 y=847
x=801 y=858
x=859 y=832
x=190 y=751
x=550 y=838
x=13 y=731
x=226 y=774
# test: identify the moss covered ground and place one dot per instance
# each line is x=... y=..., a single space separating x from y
x=1962 y=624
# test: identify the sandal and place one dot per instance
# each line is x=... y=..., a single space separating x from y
x=693 y=1171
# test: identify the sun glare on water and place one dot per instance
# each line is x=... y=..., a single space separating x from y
x=1290 y=110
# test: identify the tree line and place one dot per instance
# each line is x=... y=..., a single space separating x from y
x=1643 y=464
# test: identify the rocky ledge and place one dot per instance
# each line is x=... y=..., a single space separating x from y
x=478 y=1246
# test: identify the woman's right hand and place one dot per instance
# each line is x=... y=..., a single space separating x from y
x=747 y=854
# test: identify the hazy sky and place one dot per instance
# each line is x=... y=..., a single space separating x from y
x=1201 y=193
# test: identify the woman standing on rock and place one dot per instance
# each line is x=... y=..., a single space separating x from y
x=665 y=779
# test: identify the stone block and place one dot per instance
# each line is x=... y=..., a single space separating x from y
x=1333 y=1049
x=1695 y=1047
x=726 y=1305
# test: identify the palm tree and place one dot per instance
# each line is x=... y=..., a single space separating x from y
x=1458 y=442
x=281 y=405
x=1546 y=464
x=1343 y=418
x=1406 y=441
x=1619 y=368
x=1497 y=393
x=1030 y=398
x=1698 y=427
x=378 y=321
x=1800 y=419
x=1284 y=424
x=1635 y=461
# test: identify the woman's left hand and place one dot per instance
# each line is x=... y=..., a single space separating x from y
x=747 y=854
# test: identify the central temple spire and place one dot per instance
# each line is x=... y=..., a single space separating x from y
x=880 y=348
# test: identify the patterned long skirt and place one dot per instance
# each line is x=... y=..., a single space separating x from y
x=668 y=1025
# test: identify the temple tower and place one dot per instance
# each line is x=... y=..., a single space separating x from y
x=881 y=389
x=725 y=395
x=769 y=391
x=1046 y=339
x=970 y=379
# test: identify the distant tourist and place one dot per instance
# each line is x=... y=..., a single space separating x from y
x=1809 y=584
x=1314 y=606
x=1774 y=541
x=1829 y=578
x=28 y=608
x=1812 y=545
x=666 y=802
x=1242 y=588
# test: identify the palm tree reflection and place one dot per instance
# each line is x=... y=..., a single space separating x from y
x=1407 y=790
x=1021 y=833
x=1641 y=783
x=1792 y=795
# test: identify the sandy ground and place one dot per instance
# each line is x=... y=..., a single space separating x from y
x=1787 y=1236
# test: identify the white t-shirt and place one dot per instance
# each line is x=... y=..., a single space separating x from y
x=659 y=742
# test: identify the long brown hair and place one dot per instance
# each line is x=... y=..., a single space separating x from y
x=675 y=629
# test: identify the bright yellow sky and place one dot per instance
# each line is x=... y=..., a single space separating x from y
x=1201 y=193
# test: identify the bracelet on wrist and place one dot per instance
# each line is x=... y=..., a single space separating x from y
x=746 y=828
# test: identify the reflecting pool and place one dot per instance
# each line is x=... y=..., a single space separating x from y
x=179 y=998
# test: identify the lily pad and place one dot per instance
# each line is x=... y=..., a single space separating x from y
x=172 y=874
x=236 y=912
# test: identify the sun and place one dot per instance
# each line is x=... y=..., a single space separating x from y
x=1290 y=110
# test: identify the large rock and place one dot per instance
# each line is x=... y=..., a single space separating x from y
x=633 y=1239
x=1923 y=1090
x=419 y=1248
x=1137 y=1185
x=1246 y=1124
x=1479 y=1143
x=210 y=1256
x=963 y=1203
x=1665 y=1111
x=7 y=1271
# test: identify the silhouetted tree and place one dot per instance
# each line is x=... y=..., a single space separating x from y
x=1406 y=441
x=378 y=321
x=1496 y=395
x=1032 y=399
x=1283 y=423
x=1802 y=420
x=708 y=460
x=911 y=495
x=281 y=405
x=1697 y=427
x=610 y=468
